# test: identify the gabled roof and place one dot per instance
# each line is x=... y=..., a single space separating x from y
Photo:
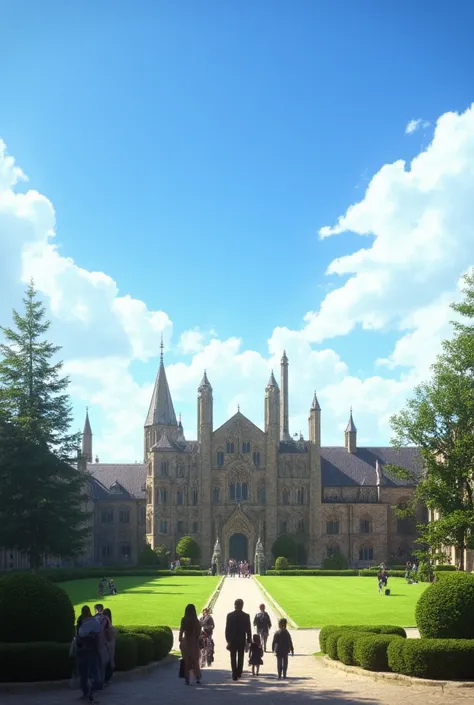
x=167 y=444
x=130 y=477
x=161 y=409
x=340 y=468
x=239 y=419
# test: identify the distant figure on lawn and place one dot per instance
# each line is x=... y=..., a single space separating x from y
x=282 y=646
x=189 y=634
x=238 y=635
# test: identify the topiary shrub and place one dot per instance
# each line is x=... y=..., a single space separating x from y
x=144 y=648
x=33 y=609
x=438 y=659
x=345 y=647
x=281 y=563
x=446 y=609
x=371 y=629
x=126 y=652
x=188 y=548
x=370 y=652
x=161 y=636
x=41 y=661
x=331 y=643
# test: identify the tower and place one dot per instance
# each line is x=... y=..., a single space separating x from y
x=351 y=435
x=205 y=408
x=87 y=439
x=272 y=404
x=284 y=431
x=161 y=417
x=272 y=441
x=314 y=422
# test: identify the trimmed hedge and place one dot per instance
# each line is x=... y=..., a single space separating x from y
x=371 y=629
x=126 y=652
x=161 y=636
x=312 y=572
x=370 y=652
x=36 y=661
x=61 y=575
x=445 y=610
x=144 y=648
x=281 y=564
x=32 y=609
x=445 y=569
x=369 y=573
x=345 y=647
x=438 y=659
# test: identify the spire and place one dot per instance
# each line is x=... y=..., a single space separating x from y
x=205 y=384
x=284 y=431
x=351 y=435
x=161 y=409
x=284 y=358
x=272 y=381
x=315 y=404
x=350 y=428
x=87 y=438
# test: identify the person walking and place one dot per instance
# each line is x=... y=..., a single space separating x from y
x=262 y=624
x=238 y=635
x=88 y=659
x=282 y=646
x=207 y=622
x=189 y=634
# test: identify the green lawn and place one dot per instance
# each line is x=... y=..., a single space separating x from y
x=317 y=601
x=143 y=600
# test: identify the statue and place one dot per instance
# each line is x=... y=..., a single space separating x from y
x=259 y=558
x=216 y=554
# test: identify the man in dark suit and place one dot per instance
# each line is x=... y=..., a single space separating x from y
x=238 y=633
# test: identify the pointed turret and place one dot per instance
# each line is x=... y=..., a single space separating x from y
x=205 y=384
x=284 y=421
x=314 y=421
x=351 y=435
x=272 y=404
x=87 y=439
x=161 y=411
x=315 y=404
x=272 y=382
x=205 y=407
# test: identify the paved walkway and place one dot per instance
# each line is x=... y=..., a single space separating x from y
x=308 y=680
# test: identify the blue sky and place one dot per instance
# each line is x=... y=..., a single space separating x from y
x=192 y=151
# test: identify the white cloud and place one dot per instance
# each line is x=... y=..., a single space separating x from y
x=415 y=125
x=416 y=220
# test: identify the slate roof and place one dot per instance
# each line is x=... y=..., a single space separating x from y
x=130 y=477
x=161 y=409
x=340 y=468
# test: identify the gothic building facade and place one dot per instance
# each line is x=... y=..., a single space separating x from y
x=238 y=483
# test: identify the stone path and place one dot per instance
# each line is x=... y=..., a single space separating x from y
x=308 y=680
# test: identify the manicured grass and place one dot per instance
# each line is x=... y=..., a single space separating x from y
x=317 y=601
x=145 y=600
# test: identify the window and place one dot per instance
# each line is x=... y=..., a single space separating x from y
x=246 y=447
x=365 y=526
x=215 y=495
x=261 y=495
x=366 y=553
x=107 y=550
x=163 y=527
x=107 y=516
x=124 y=516
x=239 y=491
x=180 y=470
x=142 y=515
x=229 y=447
x=220 y=458
x=125 y=550
x=332 y=526
x=331 y=551
x=164 y=468
x=195 y=498
x=283 y=527
x=195 y=527
x=300 y=495
x=406 y=526
x=179 y=497
x=300 y=526
x=286 y=497
x=180 y=527
x=256 y=458
x=148 y=525
x=403 y=552
x=163 y=496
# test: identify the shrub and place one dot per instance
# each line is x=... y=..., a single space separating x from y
x=447 y=659
x=345 y=647
x=188 y=548
x=369 y=573
x=285 y=546
x=126 y=652
x=373 y=629
x=370 y=652
x=35 y=661
x=281 y=563
x=148 y=556
x=161 y=636
x=32 y=609
x=331 y=643
x=144 y=648
x=446 y=608
x=445 y=569
x=337 y=561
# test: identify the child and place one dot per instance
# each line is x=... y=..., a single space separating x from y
x=281 y=647
x=256 y=653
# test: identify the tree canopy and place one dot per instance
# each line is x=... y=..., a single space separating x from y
x=188 y=548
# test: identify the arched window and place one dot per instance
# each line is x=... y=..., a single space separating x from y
x=149 y=469
x=300 y=495
x=365 y=526
x=283 y=526
x=164 y=468
x=179 y=497
x=148 y=525
x=239 y=491
x=246 y=447
x=220 y=458
x=261 y=495
x=195 y=498
x=332 y=527
x=229 y=447
x=215 y=495
x=285 y=497
x=332 y=550
x=256 y=458
x=300 y=526
x=163 y=496
x=366 y=553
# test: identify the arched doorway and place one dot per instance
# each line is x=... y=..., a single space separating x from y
x=238 y=547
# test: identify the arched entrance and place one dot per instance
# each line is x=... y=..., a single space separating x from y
x=238 y=547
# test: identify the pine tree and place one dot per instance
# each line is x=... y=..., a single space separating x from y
x=32 y=392
x=42 y=491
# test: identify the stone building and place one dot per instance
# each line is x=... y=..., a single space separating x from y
x=238 y=482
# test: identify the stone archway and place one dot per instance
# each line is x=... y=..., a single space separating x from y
x=238 y=524
x=239 y=547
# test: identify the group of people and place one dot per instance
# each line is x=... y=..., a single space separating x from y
x=242 y=569
x=94 y=649
x=195 y=634
x=107 y=585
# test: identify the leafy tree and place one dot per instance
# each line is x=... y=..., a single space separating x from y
x=337 y=561
x=148 y=556
x=41 y=499
x=281 y=563
x=439 y=420
x=188 y=548
x=32 y=392
x=285 y=546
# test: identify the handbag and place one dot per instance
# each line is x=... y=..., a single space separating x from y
x=181 y=668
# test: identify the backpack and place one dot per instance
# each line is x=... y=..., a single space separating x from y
x=260 y=621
